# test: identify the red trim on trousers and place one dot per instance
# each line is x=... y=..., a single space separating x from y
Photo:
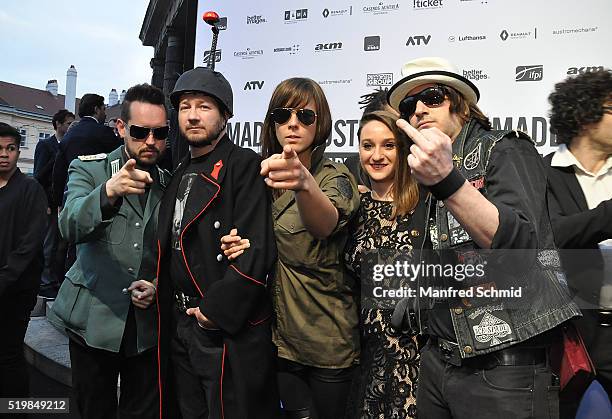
x=221 y=382
x=187 y=226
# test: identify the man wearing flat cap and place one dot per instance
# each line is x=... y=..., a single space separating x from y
x=487 y=191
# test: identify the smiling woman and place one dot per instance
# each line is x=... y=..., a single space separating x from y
x=388 y=219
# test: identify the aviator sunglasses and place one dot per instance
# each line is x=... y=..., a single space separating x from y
x=432 y=96
x=282 y=115
x=139 y=133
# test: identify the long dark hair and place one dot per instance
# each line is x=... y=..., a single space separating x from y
x=405 y=190
x=464 y=109
x=292 y=93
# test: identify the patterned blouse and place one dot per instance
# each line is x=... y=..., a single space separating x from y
x=389 y=359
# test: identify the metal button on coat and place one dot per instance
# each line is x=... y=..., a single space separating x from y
x=131 y=270
x=217 y=225
x=137 y=225
x=125 y=291
x=135 y=245
x=219 y=257
x=467 y=349
x=441 y=204
x=458 y=311
x=415 y=233
x=444 y=237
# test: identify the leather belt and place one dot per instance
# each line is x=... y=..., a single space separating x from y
x=512 y=356
x=183 y=302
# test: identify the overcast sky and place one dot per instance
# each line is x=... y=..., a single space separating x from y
x=41 y=39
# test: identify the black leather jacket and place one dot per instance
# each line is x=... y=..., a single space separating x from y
x=508 y=171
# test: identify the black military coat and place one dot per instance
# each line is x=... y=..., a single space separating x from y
x=229 y=193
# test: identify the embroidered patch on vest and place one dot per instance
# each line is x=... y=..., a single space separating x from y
x=492 y=329
x=344 y=186
x=458 y=234
x=473 y=158
x=217 y=169
x=115 y=166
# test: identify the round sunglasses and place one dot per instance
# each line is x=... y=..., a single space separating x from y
x=282 y=115
x=432 y=96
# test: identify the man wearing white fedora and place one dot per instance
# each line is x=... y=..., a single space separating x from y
x=488 y=191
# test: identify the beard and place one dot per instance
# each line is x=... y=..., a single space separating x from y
x=144 y=162
x=206 y=139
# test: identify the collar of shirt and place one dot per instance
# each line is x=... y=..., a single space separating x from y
x=563 y=157
x=92 y=117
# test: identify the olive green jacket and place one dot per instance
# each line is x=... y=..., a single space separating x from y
x=314 y=298
x=111 y=254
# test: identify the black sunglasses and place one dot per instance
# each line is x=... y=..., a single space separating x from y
x=282 y=115
x=432 y=96
x=139 y=133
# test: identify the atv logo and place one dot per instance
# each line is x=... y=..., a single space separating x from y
x=418 y=40
x=254 y=85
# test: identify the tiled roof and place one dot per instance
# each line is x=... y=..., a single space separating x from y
x=31 y=100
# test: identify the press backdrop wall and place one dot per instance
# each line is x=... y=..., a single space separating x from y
x=513 y=50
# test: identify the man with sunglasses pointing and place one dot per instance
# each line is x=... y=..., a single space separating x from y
x=107 y=302
x=487 y=191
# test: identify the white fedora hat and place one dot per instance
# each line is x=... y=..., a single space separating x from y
x=431 y=70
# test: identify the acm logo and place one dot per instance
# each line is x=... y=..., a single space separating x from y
x=331 y=46
x=254 y=85
x=418 y=40
x=572 y=71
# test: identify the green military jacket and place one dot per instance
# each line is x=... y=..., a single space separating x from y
x=111 y=253
x=315 y=300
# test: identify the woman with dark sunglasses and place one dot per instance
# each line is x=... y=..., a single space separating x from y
x=316 y=329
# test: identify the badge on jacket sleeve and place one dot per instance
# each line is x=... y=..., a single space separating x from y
x=92 y=157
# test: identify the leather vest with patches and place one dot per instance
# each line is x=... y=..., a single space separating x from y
x=487 y=327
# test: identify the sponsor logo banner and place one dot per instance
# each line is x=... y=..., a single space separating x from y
x=379 y=79
x=297 y=15
x=529 y=72
x=371 y=43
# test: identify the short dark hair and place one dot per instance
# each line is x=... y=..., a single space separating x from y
x=141 y=93
x=88 y=104
x=60 y=117
x=8 y=131
x=577 y=102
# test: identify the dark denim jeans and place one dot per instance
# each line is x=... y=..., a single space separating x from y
x=472 y=392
